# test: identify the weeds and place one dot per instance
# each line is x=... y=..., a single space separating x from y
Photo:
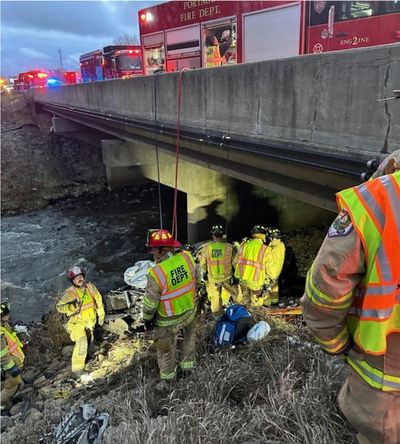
x=271 y=392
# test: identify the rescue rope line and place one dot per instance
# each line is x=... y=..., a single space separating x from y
x=157 y=151
x=178 y=129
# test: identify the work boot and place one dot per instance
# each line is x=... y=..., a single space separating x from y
x=184 y=373
x=164 y=386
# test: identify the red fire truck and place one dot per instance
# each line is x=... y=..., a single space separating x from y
x=184 y=34
x=112 y=62
x=31 y=79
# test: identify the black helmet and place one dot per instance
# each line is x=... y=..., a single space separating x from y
x=258 y=229
x=217 y=230
x=274 y=233
x=4 y=309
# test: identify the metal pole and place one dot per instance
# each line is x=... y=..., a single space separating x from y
x=61 y=60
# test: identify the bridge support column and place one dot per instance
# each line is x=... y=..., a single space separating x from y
x=120 y=171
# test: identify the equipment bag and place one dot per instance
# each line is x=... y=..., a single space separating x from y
x=232 y=326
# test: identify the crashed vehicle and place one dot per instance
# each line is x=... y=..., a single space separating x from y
x=124 y=306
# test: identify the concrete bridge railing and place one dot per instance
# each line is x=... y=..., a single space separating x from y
x=325 y=102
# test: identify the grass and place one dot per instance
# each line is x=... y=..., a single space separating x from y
x=274 y=391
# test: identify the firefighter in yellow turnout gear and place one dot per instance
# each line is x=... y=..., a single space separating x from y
x=253 y=267
x=278 y=258
x=352 y=302
x=12 y=360
x=170 y=304
x=216 y=265
x=83 y=305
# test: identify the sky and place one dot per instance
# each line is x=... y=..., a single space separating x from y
x=32 y=32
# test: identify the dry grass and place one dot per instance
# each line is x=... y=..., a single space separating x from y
x=47 y=339
x=275 y=391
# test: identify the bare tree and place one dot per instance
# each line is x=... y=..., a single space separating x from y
x=127 y=39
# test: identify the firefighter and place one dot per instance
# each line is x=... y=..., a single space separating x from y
x=169 y=305
x=216 y=51
x=278 y=258
x=216 y=265
x=352 y=301
x=253 y=265
x=12 y=360
x=83 y=305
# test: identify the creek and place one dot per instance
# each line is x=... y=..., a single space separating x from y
x=104 y=232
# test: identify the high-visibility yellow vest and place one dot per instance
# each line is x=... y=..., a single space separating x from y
x=219 y=260
x=250 y=267
x=14 y=345
x=86 y=296
x=214 y=56
x=374 y=208
x=176 y=278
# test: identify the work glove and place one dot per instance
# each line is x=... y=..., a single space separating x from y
x=101 y=322
x=14 y=371
x=149 y=325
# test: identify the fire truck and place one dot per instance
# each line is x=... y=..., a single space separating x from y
x=185 y=34
x=31 y=79
x=111 y=62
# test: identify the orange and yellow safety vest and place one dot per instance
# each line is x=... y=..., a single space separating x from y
x=250 y=268
x=88 y=301
x=14 y=346
x=176 y=278
x=218 y=256
x=374 y=208
x=214 y=56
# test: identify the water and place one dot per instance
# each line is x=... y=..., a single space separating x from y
x=105 y=233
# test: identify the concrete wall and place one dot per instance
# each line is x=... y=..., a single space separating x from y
x=327 y=101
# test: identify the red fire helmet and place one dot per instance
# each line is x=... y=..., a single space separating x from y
x=76 y=271
x=161 y=238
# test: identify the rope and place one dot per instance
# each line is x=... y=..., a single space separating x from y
x=178 y=129
x=157 y=151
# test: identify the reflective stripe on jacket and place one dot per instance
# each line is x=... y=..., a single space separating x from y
x=13 y=347
x=374 y=208
x=251 y=262
x=176 y=278
x=214 y=56
x=218 y=260
x=88 y=300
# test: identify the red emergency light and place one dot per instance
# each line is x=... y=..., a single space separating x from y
x=143 y=17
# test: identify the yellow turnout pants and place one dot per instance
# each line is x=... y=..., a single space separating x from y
x=219 y=294
x=9 y=387
x=82 y=334
x=171 y=349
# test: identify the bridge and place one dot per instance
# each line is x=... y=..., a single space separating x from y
x=302 y=127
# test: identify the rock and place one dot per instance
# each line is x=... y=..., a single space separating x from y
x=17 y=408
x=6 y=423
x=26 y=391
x=117 y=326
x=67 y=351
x=29 y=374
x=40 y=381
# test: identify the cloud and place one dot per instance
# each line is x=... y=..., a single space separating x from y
x=33 y=53
x=75 y=27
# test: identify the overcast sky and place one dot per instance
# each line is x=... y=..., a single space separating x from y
x=33 y=31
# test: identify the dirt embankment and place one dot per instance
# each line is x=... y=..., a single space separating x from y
x=280 y=390
x=38 y=166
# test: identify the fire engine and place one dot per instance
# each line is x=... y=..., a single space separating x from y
x=206 y=33
x=31 y=79
x=111 y=62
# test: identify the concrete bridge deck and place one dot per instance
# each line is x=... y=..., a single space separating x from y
x=303 y=126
